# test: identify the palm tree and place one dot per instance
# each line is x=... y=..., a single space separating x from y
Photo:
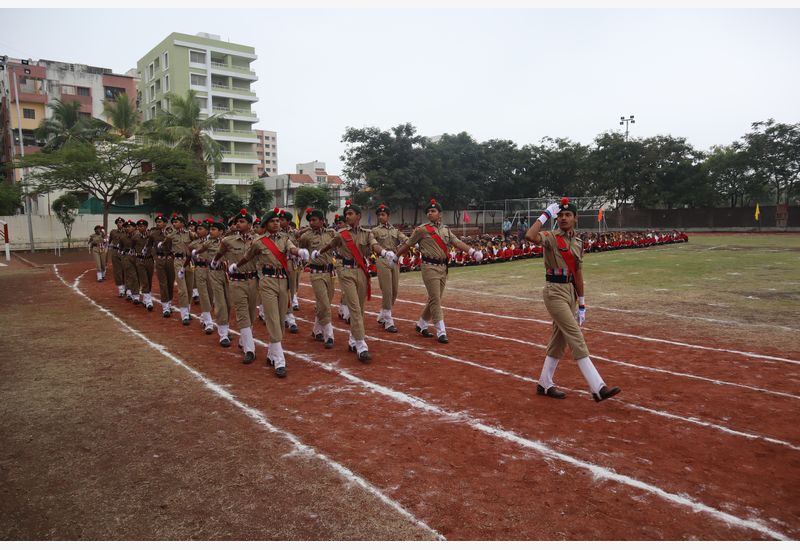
x=68 y=126
x=123 y=115
x=183 y=126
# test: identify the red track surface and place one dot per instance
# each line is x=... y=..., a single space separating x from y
x=444 y=463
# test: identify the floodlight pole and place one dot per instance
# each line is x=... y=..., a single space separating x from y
x=626 y=121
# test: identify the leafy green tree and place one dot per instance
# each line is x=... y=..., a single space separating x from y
x=66 y=210
x=774 y=152
x=10 y=198
x=615 y=168
x=673 y=176
x=459 y=171
x=260 y=198
x=315 y=197
x=123 y=115
x=181 y=184
x=504 y=171
x=68 y=126
x=727 y=169
x=225 y=202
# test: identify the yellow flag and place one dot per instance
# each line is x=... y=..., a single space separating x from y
x=296 y=219
x=758 y=212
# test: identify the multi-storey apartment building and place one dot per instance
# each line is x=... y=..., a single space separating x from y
x=219 y=72
x=267 y=152
x=284 y=186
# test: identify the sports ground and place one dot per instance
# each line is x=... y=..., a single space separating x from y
x=119 y=424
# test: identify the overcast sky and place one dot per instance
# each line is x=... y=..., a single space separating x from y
x=506 y=74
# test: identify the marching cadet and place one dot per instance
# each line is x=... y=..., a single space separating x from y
x=202 y=278
x=129 y=262
x=344 y=313
x=353 y=246
x=179 y=241
x=144 y=263
x=164 y=262
x=218 y=280
x=434 y=238
x=116 y=256
x=314 y=237
x=259 y=231
x=243 y=286
x=192 y=228
x=389 y=237
x=270 y=253
x=563 y=296
x=294 y=274
x=98 y=248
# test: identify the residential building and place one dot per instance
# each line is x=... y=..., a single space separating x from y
x=267 y=152
x=284 y=186
x=219 y=72
x=39 y=83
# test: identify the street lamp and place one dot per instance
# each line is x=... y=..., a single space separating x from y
x=625 y=121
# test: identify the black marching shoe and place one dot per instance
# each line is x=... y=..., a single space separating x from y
x=209 y=329
x=329 y=343
x=149 y=307
x=128 y=297
x=443 y=339
x=605 y=393
x=424 y=332
x=270 y=362
x=293 y=329
x=552 y=391
x=249 y=357
x=295 y=308
x=136 y=302
x=225 y=342
x=351 y=348
x=280 y=372
x=185 y=322
x=167 y=313
x=390 y=328
x=381 y=321
x=318 y=337
x=364 y=357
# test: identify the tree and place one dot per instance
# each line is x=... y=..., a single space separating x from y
x=315 y=197
x=181 y=184
x=123 y=115
x=10 y=198
x=260 y=198
x=774 y=152
x=66 y=209
x=727 y=170
x=225 y=202
x=68 y=126
x=673 y=175
x=106 y=170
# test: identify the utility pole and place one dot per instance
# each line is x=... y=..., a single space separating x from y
x=623 y=120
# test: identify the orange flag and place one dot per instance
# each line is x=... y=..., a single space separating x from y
x=600 y=215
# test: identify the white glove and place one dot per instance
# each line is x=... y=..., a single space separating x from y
x=580 y=316
x=303 y=254
x=314 y=254
x=232 y=268
x=181 y=272
x=553 y=209
x=194 y=253
x=214 y=264
x=390 y=257
x=477 y=256
x=160 y=244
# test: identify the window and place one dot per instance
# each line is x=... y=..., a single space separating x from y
x=112 y=93
x=150 y=72
x=85 y=92
x=152 y=92
x=166 y=60
x=29 y=113
x=157 y=64
x=201 y=102
x=81 y=114
x=68 y=90
x=198 y=80
x=166 y=82
x=153 y=112
x=197 y=57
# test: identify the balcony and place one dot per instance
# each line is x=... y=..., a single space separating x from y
x=228 y=135
x=243 y=72
x=235 y=92
x=236 y=114
x=84 y=100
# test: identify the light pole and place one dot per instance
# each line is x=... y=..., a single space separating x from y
x=625 y=121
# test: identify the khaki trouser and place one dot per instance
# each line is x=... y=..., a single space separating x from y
x=435 y=279
x=243 y=300
x=353 y=282
x=322 y=283
x=389 y=280
x=144 y=270
x=186 y=284
x=219 y=289
x=165 y=271
x=116 y=266
x=100 y=259
x=274 y=294
x=203 y=282
x=292 y=288
x=561 y=302
x=131 y=277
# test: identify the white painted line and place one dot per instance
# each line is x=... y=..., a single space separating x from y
x=257 y=416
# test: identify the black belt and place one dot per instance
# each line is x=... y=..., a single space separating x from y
x=163 y=255
x=433 y=261
x=243 y=276
x=559 y=278
x=349 y=263
x=276 y=272
x=315 y=268
x=179 y=255
x=201 y=263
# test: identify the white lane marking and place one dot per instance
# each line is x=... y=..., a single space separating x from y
x=622 y=401
x=259 y=417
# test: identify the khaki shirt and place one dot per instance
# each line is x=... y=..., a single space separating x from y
x=315 y=240
x=126 y=242
x=362 y=237
x=389 y=237
x=96 y=241
x=180 y=242
x=140 y=243
x=552 y=257
x=236 y=246
x=264 y=256
x=114 y=236
x=160 y=236
x=209 y=247
x=429 y=247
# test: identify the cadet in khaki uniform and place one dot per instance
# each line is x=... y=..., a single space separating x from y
x=271 y=253
x=164 y=263
x=218 y=281
x=202 y=279
x=314 y=237
x=116 y=256
x=129 y=262
x=435 y=240
x=179 y=241
x=243 y=287
x=353 y=246
x=192 y=228
x=294 y=274
x=144 y=263
x=389 y=237
x=98 y=247
x=259 y=232
x=563 y=296
x=344 y=313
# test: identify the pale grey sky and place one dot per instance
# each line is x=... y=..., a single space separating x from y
x=507 y=74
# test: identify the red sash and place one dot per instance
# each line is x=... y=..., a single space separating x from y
x=269 y=243
x=435 y=236
x=566 y=253
x=351 y=246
